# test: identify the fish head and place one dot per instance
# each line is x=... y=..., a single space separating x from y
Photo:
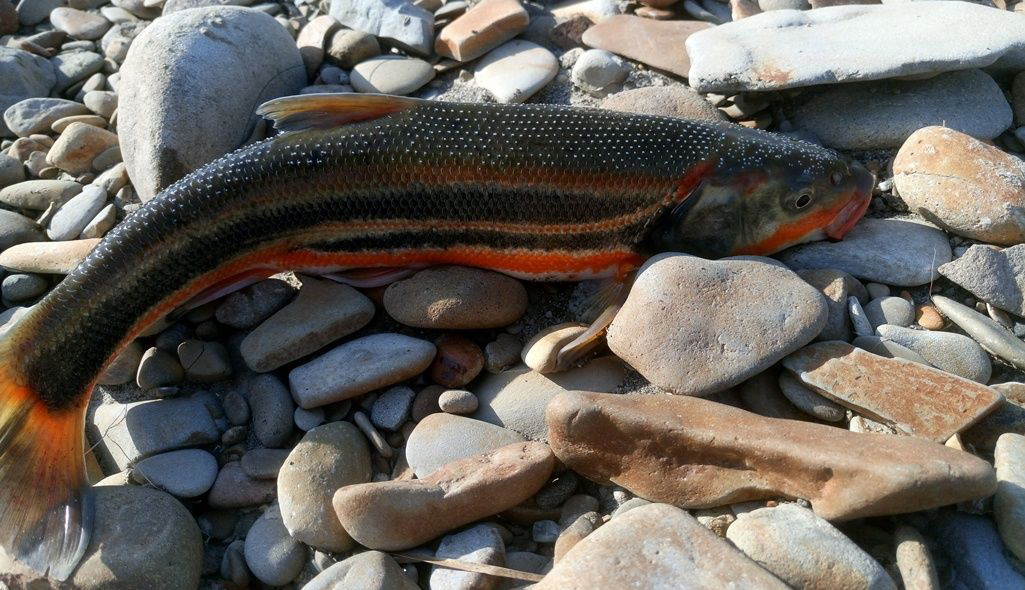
x=767 y=193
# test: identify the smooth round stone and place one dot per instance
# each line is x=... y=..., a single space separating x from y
x=676 y=100
x=515 y=71
x=79 y=24
x=391 y=74
x=457 y=401
x=887 y=348
x=835 y=286
x=38 y=194
x=272 y=408
x=11 y=171
x=117 y=41
x=805 y=551
x=307 y=420
x=77 y=147
x=808 y=401
x=458 y=361
x=23 y=287
x=233 y=488
x=273 y=556
x=953 y=353
x=1009 y=502
x=541 y=353
x=236 y=410
x=695 y=326
x=73 y=216
x=17 y=229
x=45 y=257
x=456 y=298
x=264 y=463
x=186 y=474
x=347 y=48
x=61 y=124
x=895 y=311
x=370 y=570
x=599 y=72
x=204 y=362
x=72 y=68
x=914 y=560
x=101 y=102
x=250 y=306
x=442 y=438
x=479 y=544
x=37 y=115
x=327 y=458
x=158 y=368
x=391 y=409
x=877 y=290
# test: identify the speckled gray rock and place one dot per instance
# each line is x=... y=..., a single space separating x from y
x=189 y=86
x=74 y=67
x=808 y=401
x=396 y=22
x=328 y=457
x=391 y=409
x=859 y=321
x=391 y=74
x=141 y=429
x=696 y=326
x=35 y=115
x=458 y=401
x=947 y=351
x=79 y=24
x=676 y=100
x=17 y=229
x=879 y=115
x=31 y=13
x=38 y=194
x=187 y=473
x=234 y=488
x=599 y=72
x=25 y=75
x=991 y=335
x=806 y=551
x=204 y=362
x=477 y=544
x=890 y=251
x=307 y=420
x=993 y=275
x=73 y=216
x=442 y=438
x=250 y=306
x=895 y=311
x=770 y=50
x=359 y=366
x=22 y=287
x=272 y=407
x=264 y=463
x=271 y=554
x=370 y=570
x=888 y=348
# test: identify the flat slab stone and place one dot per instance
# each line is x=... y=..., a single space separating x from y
x=442 y=438
x=652 y=42
x=920 y=400
x=513 y=72
x=140 y=429
x=773 y=50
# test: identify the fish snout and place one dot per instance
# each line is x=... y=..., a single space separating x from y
x=858 y=202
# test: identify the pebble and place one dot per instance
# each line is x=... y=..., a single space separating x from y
x=895 y=311
x=271 y=405
x=314 y=39
x=23 y=287
x=141 y=429
x=886 y=348
x=264 y=463
x=321 y=313
x=676 y=547
x=272 y=555
x=974 y=552
x=515 y=71
x=442 y=438
x=72 y=68
x=928 y=317
x=357 y=367
x=545 y=531
x=25 y=76
x=651 y=42
x=695 y=326
x=891 y=251
x=541 y=352
x=676 y=100
x=31 y=13
x=391 y=74
x=397 y=22
x=204 y=362
x=1008 y=417
x=391 y=409
x=307 y=420
x=17 y=229
x=233 y=488
x=810 y=402
x=37 y=115
x=248 y=307
x=396 y=515
x=221 y=51
x=482 y=28
x=458 y=361
x=947 y=351
x=456 y=298
x=187 y=473
x=380 y=445
x=502 y=353
x=926 y=402
x=835 y=286
x=101 y=102
x=75 y=215
x=370 y=570
x=348 y=48
x=607 y=439
x=11 y=171
x=118 y=40
x=769 y=51
x=859 y=321
x=1009 y=502
x=124 y=366
x=457 y=401
x=39 y=194
x=79 y=24
x=328 y=457
x=991 y=335
x=599 y=72
x=996 y=276
x=158 y=368
x=914 y=560
x=479 y=544
x=967 y=187
x=805 y=551
x=78 y=145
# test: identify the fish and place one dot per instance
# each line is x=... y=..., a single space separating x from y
x=362 y=181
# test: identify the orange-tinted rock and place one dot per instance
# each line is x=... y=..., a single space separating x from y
x=484 y=27
x=658 y=44
x=396 y=515
x=47 y=257
x=694 y=453
x=917 y=399
x=458 y=361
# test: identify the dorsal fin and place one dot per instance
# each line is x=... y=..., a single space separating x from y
x=323 y=111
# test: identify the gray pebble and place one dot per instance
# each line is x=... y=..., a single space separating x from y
x=889 y=349
x=264 y=463
x=248 y=307
x=23 y=287
x=307 y=420
x=953 y=353
x=599 y=72
x=235 y=408
x=895 y=311
x=545 y=531
x=808 y=401
x=204 y=362
x=187 y=473
x=477 y=544
x=458 y=401
x=556 y=492
x=862 y=326
x=271 y=554
x=877 y=290
x=272 y=407
x=391 y=409
x=158 y=368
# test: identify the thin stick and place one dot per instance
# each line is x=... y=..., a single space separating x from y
x=477 y=568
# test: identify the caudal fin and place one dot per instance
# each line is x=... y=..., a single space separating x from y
x=45 y=502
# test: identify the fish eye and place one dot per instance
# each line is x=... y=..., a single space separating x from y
x=836 y=178
x=803 y=200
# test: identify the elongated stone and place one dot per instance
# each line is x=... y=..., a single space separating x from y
x=919 y=400
x=989 y=334
x=1009 y=504
x=694 y=453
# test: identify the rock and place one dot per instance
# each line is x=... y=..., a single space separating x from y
x=541 y=352
x=599 y=72
x=204 y=362
x=141 y=538
x=668 y=101
x=73 y=216
x=158 y=368
x=695 y=326
x=36 y=115
x=124 y=366
x=101 y=102
x=808 y=401
x=46 y=257
x=327 y=458
x=189 y=86
x=516 y=399
x=11 y=171
x=31 y=13
x=391 y=409
x=963 y=185
x=272 y=407
x=38 y=194
x=1009 y=503
x=835 y=286
x=608 y=438
x=118 y=40
x=880 y=115
x=991 y=335
x=1008 y=417
x=651 y=42
x=805 y=551
x=769 y=51
x=399 y=514
x=272 y=555
x=358 y=366
x=456 y=298
x=313 y=40
x=440 y=439
x=917 y=399
x=307 y=420
x=25 y=75
x=185 y=474
x=16 y=229
x=396 y=22
x=675 y=548
x=953 y=353
x=323 y=312
x=482 y=28
x=22 y=287
x=72 y=68
x=141 y=429
x=974 y=552
x=79 y=24
x=100 y=224
x=891 y=251
x=502 y=353
x=391 y=74
x=455 y=401
x=78 y=145
x=914 y=560
x=993 y=275
x=515 y=71
x=478 y=544
x=880 y=346
x=895 y=311
x=264 y=463
x=236 y=409
x=370 y=570
x=233 y=488
x=348 y=48
x=252 y=305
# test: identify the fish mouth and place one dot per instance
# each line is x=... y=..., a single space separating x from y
x=855 y=208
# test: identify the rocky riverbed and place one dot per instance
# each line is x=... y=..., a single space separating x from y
x=845 y=415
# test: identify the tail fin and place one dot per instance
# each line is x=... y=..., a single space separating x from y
x=45 y=502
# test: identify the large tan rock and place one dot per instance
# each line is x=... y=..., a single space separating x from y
x=482 y=28
x=677 y=552
x=694 y=453
x=399 y=514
